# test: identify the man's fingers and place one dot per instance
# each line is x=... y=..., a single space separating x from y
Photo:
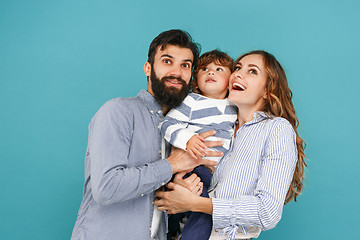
x=160 y=194
x=208 y=162
x=170 y=185
x=214 y=154
x=210 y=144
x=192 y=154
x=207 y=134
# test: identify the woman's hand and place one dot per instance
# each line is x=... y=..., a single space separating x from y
x=193 y=182
x=178 y=199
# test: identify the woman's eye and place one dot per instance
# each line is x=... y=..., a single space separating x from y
x=237 y=68
x=167 y=61
x=253 y=71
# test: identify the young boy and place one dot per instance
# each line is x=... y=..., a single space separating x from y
x=203 y=110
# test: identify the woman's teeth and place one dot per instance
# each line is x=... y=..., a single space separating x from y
x=238 y=86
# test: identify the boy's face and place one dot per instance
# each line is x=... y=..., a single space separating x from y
x=213 y=80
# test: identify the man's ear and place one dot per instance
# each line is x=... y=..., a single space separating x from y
x=147 y=69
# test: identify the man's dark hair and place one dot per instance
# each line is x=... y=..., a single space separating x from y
x=174 y=37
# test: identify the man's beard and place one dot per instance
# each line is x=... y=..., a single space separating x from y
x=169 y=97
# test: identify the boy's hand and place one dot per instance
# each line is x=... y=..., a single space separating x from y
x=196 y=146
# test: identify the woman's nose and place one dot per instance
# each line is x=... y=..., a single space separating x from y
x=239 y=75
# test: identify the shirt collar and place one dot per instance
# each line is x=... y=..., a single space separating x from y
x=258 y=117
x=150 y=102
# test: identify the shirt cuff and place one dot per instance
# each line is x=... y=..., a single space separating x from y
x=221 y=213
x=164 y=170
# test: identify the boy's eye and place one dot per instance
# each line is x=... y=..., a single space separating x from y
x=205 y=69
x=219 y=69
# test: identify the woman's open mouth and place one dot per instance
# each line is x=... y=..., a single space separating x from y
x=238 y=87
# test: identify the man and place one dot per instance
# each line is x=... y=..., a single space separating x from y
x=123 y=164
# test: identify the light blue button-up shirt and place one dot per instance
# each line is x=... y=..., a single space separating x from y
x=123 y=168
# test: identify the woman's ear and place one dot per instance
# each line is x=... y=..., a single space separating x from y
x=265 y=96
x=147 y=69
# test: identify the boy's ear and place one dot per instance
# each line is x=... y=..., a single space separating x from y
x=147 y=69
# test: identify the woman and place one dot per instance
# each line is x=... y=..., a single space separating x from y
x=265 y=166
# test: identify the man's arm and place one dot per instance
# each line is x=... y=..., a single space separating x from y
x=113 y=179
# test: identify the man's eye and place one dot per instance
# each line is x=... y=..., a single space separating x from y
x=186 y=65
x=219 y=69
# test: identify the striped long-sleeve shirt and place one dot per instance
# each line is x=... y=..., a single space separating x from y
x=198 y=114
x=254 y=176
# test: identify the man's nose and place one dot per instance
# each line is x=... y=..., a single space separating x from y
x=175 y=71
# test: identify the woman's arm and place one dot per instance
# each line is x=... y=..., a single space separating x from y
x=264 y=207
x=180 y=199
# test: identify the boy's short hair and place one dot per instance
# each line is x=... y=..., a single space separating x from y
x=216 y=56
x=174 y=37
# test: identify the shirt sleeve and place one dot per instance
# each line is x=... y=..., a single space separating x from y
x=112 y=180
x=264 y=209
x=174 y=126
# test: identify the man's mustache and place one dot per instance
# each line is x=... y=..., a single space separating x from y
x=173 y=77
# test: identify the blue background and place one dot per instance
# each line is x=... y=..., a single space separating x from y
x=61 y=60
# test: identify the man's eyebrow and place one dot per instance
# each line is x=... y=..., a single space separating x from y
x=169 y=56
x=188 y=60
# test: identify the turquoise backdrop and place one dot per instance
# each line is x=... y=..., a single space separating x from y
x=61 y=60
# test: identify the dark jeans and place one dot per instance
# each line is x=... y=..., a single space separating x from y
x=198 y=225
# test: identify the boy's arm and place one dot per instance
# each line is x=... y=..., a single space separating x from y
x=174 y=126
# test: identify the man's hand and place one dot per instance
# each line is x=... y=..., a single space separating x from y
x=193 y=182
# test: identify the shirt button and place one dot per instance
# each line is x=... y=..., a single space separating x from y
x=142 y=195
x=151 y=111
x=159 y=111
x=163 y=183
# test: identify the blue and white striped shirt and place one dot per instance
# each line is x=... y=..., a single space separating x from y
x=198 y=114
x=253 y=178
